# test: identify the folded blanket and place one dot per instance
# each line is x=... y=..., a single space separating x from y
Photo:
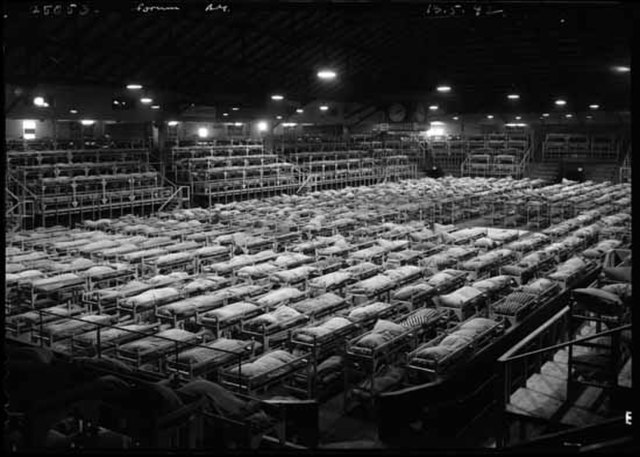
x=460 y=297
x=113 y=334
x=279 y=296
x=401 y=273
x=372 y=285
x=278 y=316
x=317 y=304
x=407 y=292
x=219 y=351
x=479 y=324
x=210 y=251
x=492 y=284
x=257 y=271
x=294 y=275
x=160 y=341
x=324 y=329
x=265 y=364
x=152 y=297
x=330 y=280
x=174 y=258
x=69 y=327
x=230 y=311
x=367 y=311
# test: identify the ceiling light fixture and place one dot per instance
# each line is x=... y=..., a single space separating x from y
x=433 y=107
x=203 y=132
x=443 y=89
x=327 y=74
x=38 y=101
x=172 y=123
x=279 y=117
x=622 y=69
x=134 y=86
x=225 y=114
x=73 y=111
x=146 y=100
x=324 y=108
x=277 y=97
x=490 y=116
x=568 y=116
x=263 y=126
x=238 y=124
x=513 y=97
x=455 y=118
x=518 y=118
x=87 y=122
x=561 y=102
x=545 y=114
x=594 y=106
x=155 y=106
x=235 y=108
x=299 y=111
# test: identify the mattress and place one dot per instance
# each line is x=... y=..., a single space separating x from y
x=217 y=352
x=177 y=257
x=157 y=342
x=257 y=271
x=279 y=296
x=408 y=292
x=191 y=306
x=367 y=311
x=372 y=285
x=309 y=334
x=460 y=297
x=109 y=335
x=383 y=332
x=403 y=273
x=294 y=275
x=329 y=280
x=69 y=327
x=269 y=362
x=231 y=311
x=152 y=297
x=57 y=282
x=318 y=304
x=274 y=318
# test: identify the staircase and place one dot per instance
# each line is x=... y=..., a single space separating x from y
x=548 y=171
x=563 y=386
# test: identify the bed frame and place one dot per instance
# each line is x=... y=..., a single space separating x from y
x=274 y=335
x=432 y=371
x=467 y=309
x=189 y=371
x=524 y=275
x=138 y=359
x=263 y=381
x=80 y=346
x=123 y=309
x=218 y=326
x=16 y=327
x=357 y=296
x=47 y=338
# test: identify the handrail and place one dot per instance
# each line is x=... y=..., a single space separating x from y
x=24 y=188
x=568 y=343
x=177 y=191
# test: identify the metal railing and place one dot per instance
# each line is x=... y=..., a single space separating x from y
x=515 y=366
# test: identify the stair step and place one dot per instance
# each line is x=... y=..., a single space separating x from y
x=555 y=369
x=580 y=417
x=532 y=403
x=548 y=385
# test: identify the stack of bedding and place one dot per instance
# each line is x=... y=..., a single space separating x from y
x=372 y=285
x=460 y=297
x=232 y=311
x=444 y=277
x=318 y=304
x=367 y=311
x=383 y=332
x=295 y=275
x=430 y=355
x=261 y=270
x=493 y=284
x=268 y=363
x=164 y=340
x=152 y=298
x=279 y=316
x=567 y=269
x=412 y=290
x=217 y=352
x=330 y=280
x=310 y=334
x=282 y=295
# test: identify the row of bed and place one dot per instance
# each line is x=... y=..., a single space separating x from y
x=254 y=321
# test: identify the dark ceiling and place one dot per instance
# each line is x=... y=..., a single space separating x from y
x=403 y=51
